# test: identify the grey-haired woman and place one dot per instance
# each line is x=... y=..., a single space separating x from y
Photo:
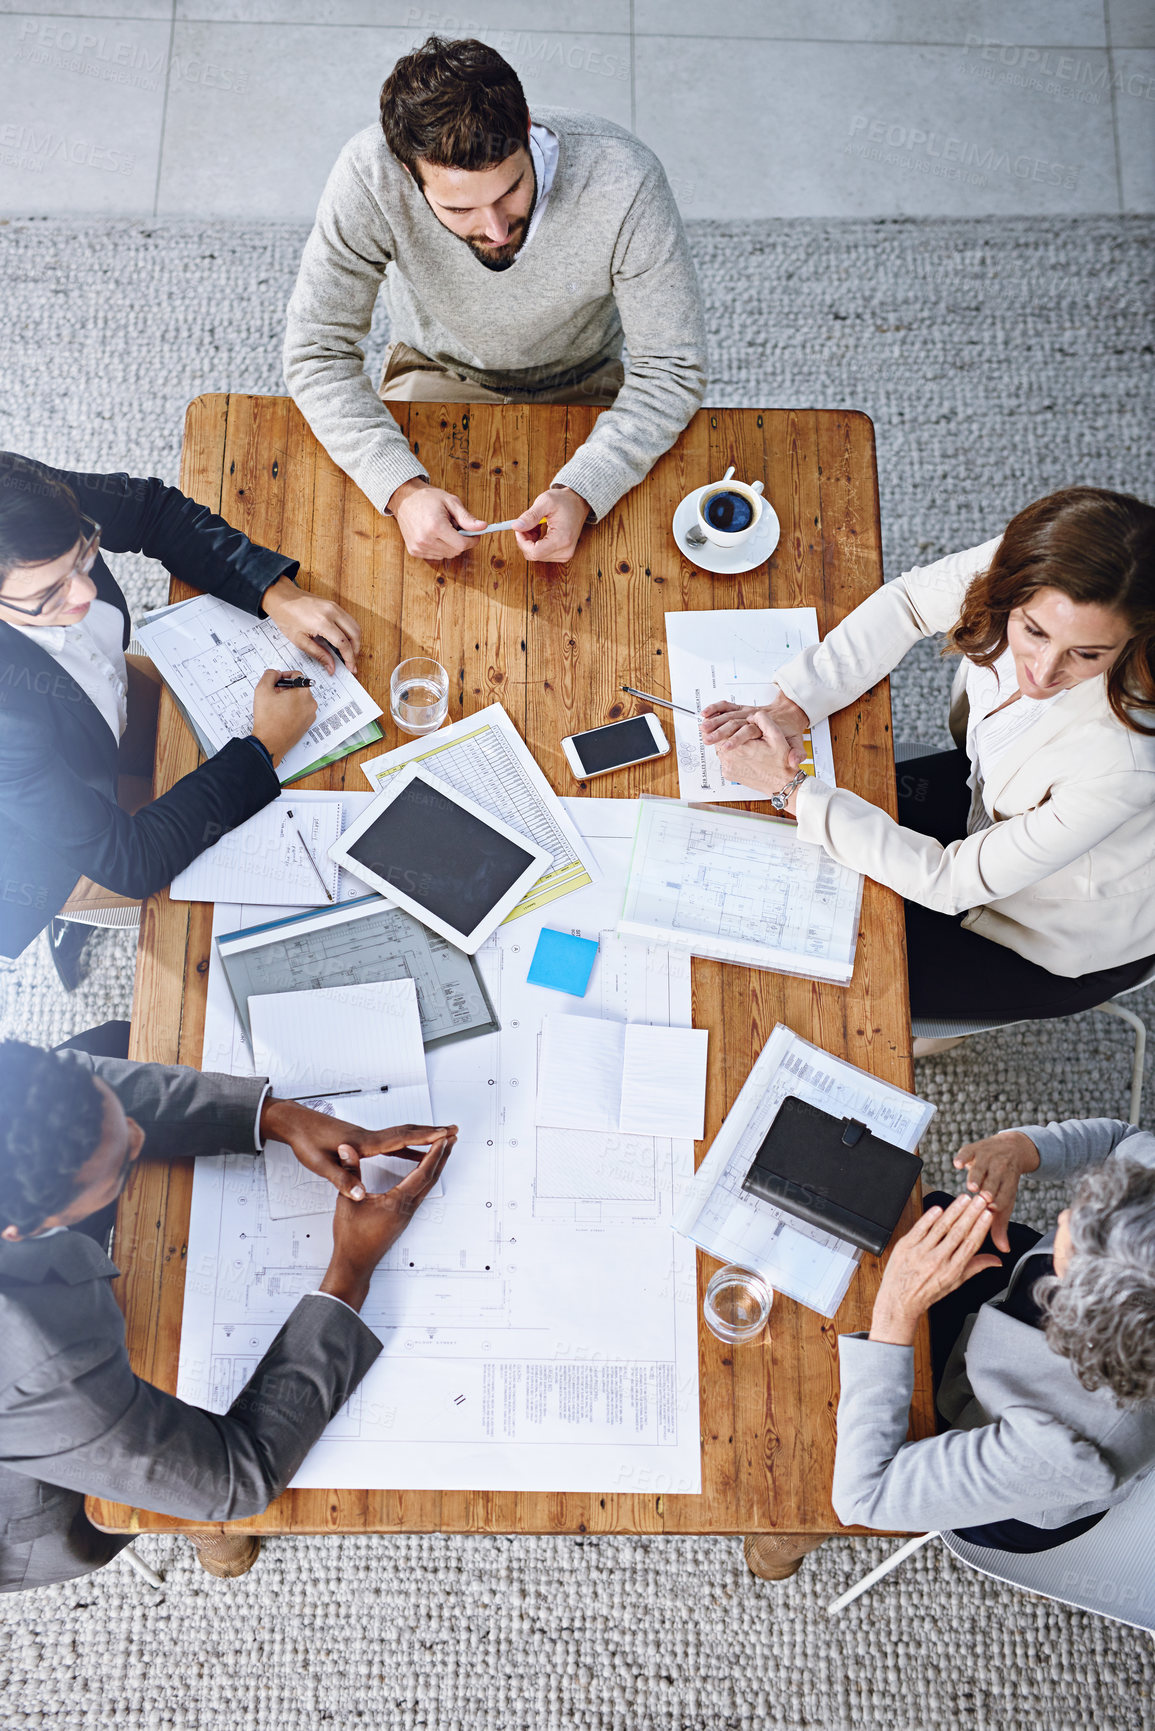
x=1043 y=1349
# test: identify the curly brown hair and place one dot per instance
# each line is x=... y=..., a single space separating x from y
x=1096 y=547
x=455 y=105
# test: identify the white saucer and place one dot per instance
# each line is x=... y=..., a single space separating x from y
x=726 y=561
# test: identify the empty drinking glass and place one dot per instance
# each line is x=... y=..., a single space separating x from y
x=737 y=1304
x=419 y=695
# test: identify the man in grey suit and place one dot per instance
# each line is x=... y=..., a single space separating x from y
x=74 y=1420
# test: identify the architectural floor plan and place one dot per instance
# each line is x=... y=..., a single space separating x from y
x=540 y=1316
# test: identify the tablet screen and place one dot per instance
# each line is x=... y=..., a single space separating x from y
x=447 y=860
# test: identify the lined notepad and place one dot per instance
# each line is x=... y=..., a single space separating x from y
x=623 y=1076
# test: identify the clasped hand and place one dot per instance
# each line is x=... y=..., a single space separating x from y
x=334 y=1149
x=762 y=746
x=431 y=521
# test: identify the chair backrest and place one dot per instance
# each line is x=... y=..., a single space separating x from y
x=1110 y=1570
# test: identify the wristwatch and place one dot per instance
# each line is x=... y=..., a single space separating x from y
x=778 y=800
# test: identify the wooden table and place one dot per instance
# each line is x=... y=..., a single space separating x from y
x=554 y=644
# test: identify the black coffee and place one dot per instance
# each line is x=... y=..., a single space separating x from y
x=729 y=512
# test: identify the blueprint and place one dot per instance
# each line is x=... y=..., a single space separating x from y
x=539 y=1318
x=212 y=654
x=732 y=656
x=485 y=758
x=741 y=888
x=796 y=1257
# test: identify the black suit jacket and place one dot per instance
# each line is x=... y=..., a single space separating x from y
x=59 y=819
x=73 y=1417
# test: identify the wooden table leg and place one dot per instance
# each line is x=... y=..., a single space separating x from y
x=777 y=1556
x=225 y=1555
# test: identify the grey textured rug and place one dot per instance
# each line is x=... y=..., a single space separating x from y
x=998 y=359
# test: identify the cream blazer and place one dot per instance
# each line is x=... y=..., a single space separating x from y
x=1066 y=874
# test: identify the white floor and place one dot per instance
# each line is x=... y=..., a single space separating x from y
x=758 y=108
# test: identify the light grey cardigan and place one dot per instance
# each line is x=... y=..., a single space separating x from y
x=1030 y=1442
x=609 y=259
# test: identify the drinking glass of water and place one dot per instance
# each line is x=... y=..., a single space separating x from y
x=737 y=1304
x=419 y=695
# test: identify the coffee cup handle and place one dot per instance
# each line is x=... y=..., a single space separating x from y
x=757 y=487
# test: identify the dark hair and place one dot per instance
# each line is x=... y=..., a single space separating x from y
x=39 y=515
x=51 y=1121
x=455 y=105
x=1097 y=547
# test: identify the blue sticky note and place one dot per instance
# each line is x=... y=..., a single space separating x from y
x=562 y=962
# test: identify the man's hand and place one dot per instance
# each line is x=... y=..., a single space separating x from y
x=995 y=1166
x=307 y=619
x=938 y=1253
x=548 y=531
x=364 y=1231
x=431 y=520
x=281 y=718
x=334 y=1149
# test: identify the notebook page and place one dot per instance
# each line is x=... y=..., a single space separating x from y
x=664 y=1081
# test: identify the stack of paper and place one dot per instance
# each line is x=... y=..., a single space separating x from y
x=624 y=1076
x=739 y=887
x=734 y=1225
x=320 y=1045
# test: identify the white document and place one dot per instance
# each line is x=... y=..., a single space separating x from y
x=339 y=1037
x=631 y=1077
x=540 y=1318
x=799 y=1259
x=263 y=861
x=293 y=1189
x=732 y=656
x=485 y=758
x=743 y=888
x=213 y=654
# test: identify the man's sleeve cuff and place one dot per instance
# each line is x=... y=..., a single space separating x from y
x=599 y=486
x=388 y=469
x=257 y=1143
x=333 y=1299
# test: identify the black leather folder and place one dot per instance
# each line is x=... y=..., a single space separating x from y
x=833 y=1172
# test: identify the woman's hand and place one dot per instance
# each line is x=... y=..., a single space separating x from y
x=307 y=619
x=995 y=1166
x=281 y=716
x=730 y=721
x=938 y=1253
x=766 y=765
x=334 y=1149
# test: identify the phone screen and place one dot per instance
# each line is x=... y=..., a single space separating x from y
x=609 y=747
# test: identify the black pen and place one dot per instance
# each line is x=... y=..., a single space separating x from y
x=291 y=682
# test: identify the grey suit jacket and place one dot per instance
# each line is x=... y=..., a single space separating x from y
x=74 y=1420
x=1030 y=1442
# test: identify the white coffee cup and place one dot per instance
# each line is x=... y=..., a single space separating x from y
x=752 y=494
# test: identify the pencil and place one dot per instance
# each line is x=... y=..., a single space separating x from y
x=310 y=858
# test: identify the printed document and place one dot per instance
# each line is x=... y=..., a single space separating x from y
x=485 y=758
x=739 y=887
x=731 y=656
x=625 y=1076
x=539 y=1318
x=213 y=654
x=264 y=860
x=797 y=1258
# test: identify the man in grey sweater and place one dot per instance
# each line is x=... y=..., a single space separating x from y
x=516 y=256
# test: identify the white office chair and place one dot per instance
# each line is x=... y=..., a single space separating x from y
x=924 y=1028
x=1110 y=1570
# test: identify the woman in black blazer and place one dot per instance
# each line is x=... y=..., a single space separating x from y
x=65 y=692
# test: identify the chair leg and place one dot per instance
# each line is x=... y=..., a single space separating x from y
x=867 y=1581
x=137 y=1562
x=1110 y=1008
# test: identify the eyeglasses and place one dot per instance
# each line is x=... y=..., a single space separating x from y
x=83 y=564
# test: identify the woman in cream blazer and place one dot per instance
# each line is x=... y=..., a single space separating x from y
x=1027 y=855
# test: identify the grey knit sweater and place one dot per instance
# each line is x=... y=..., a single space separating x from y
x=609 y=260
